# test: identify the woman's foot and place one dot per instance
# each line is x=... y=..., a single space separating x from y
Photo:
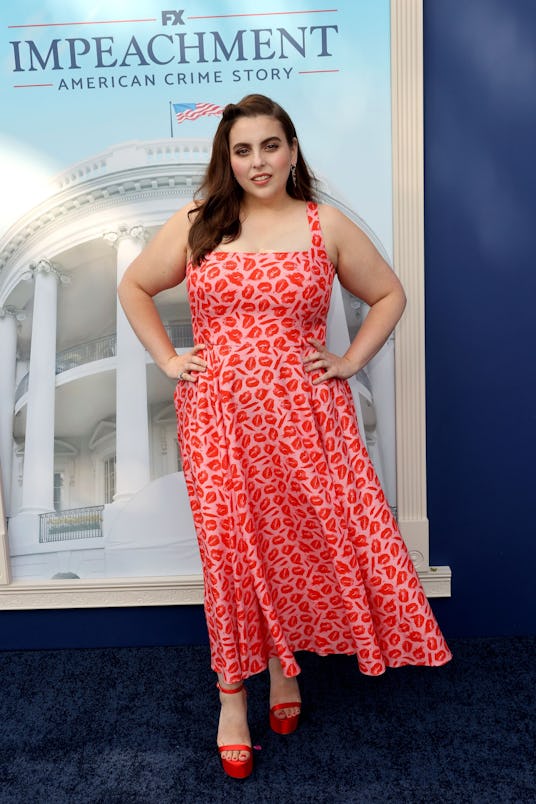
x=285 y=699
x=234 y=741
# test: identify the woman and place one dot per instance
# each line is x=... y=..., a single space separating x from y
x=298 y=545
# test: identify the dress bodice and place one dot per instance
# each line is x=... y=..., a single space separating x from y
x=274 y=299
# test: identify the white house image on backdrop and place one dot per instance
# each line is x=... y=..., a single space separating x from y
x=91 y=470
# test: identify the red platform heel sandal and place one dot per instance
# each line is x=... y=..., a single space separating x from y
x=236 y=768
x=284 y=725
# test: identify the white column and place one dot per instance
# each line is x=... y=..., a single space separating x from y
x=38 y=473
x=8 y=360
x=132 y=420
x=408 y=260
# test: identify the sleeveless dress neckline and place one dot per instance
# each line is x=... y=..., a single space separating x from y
x=299 y=548
x=309 y=205
x=268 y=252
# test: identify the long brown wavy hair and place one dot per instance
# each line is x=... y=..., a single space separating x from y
x=217 y=215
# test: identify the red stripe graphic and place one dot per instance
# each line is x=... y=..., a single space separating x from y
x=264 y=14
x=88 y=22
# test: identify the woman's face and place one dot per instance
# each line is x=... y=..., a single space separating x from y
x=261 y=156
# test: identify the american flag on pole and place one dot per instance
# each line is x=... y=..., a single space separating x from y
x=191 y=111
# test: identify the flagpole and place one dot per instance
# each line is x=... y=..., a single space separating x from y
x=170 y=121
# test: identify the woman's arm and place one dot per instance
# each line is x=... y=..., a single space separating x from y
x=365 y=274
x=161 y=265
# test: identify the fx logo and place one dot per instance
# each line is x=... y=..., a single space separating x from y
x=172 y=17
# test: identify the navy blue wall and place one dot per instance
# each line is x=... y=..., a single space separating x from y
x=480 y=136
x=480 y=213
x=119 y=627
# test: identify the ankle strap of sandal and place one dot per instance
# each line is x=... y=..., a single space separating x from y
x=229 y=691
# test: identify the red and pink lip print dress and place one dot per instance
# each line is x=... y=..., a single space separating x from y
x=299 y=547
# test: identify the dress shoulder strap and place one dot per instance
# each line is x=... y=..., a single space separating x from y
x=312 y=216
x=314 y=222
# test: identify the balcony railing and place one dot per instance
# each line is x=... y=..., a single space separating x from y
x=77 y=523
x=132 y=155
x=180 y=334
x=97 y=349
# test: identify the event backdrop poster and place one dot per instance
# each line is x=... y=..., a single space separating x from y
x=108 y=114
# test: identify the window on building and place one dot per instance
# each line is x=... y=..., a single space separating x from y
x=58 y=487
x=109 y=479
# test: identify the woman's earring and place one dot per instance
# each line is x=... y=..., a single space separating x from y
x=293 y=174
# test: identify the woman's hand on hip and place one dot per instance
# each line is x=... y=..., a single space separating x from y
x=333 y=365
x=186 y=367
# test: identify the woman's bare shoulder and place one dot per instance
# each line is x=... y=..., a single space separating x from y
x=331 y=216
x=336 y=230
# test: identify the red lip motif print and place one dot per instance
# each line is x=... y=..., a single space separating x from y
x=299 y=548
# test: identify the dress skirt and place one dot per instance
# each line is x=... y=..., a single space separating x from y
x=299 y=548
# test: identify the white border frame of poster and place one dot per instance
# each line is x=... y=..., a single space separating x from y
x=408 y=260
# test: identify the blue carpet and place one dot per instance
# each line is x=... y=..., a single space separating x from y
x=138 y=725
